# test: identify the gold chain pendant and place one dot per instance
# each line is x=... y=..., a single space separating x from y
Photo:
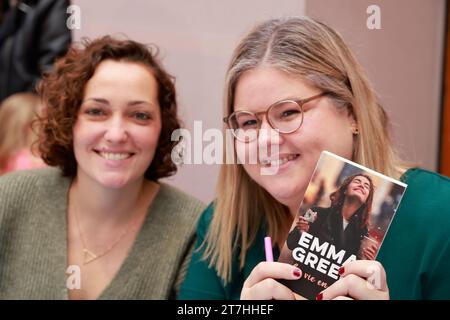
x=89 y=256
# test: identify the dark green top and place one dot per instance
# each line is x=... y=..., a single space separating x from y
x=415 y=252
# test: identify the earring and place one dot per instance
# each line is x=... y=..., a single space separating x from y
x=355 y=130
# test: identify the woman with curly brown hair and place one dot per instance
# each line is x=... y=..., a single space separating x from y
x=101 y=225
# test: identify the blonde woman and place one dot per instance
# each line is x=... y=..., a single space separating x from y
x=17 y=113
x=305 y=65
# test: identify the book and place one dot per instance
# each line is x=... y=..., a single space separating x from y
x=344 y=216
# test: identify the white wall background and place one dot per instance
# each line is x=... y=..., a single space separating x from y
x=197 y=37
x=404 y=62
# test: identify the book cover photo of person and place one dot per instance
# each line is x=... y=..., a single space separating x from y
x=344 y=216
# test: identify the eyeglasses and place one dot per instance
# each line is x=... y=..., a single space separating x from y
x=286 y=116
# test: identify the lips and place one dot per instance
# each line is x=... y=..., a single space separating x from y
x=114 y=155
x=360 y=190
x=278 y=161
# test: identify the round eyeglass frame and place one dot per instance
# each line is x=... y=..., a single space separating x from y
x=299 y=102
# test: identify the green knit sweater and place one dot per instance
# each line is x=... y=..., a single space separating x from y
x=33 y=241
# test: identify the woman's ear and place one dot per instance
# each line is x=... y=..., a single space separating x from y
x=354 y=128
x=352 y=119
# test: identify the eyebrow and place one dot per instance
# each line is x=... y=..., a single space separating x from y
x=129 y=104
x=292 y=98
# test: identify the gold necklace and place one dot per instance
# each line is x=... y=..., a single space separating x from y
x=88 y=255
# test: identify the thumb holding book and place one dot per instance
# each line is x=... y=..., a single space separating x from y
x=261 y=283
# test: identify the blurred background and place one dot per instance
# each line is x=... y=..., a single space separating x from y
x=404 y=59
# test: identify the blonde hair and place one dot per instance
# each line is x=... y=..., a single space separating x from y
x=17 y=112
x=317 y=54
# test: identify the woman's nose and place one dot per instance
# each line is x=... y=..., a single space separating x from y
x=116 y=131
x=268 y=143
x=267 y=136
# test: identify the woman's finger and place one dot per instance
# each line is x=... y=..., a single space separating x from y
x=372 y=249
x=267 y=289
x=368 y=254
x=371 y=270
x=342 y=298
x=303 y=226
x=274 y=270
x=354 y=287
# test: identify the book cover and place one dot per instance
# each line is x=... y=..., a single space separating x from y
x=345 y=215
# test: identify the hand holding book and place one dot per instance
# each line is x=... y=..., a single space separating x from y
x=302 y=224
x=327 y=238
x=360 y=280
x=261 y=283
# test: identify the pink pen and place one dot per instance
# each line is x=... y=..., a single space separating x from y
x=268 y=249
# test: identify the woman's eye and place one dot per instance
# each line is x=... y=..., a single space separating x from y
x=95 y=112
x=142 y=116
x=249 y=123
x=287 y=113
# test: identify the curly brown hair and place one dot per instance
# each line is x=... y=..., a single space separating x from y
x=337 y=199
x=62 y=94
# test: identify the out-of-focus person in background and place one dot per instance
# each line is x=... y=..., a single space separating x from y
x=33 y=34
x=17 y=113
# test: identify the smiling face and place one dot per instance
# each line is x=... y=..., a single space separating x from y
x=293 y=156
x=359 y=188
x=118 y=126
